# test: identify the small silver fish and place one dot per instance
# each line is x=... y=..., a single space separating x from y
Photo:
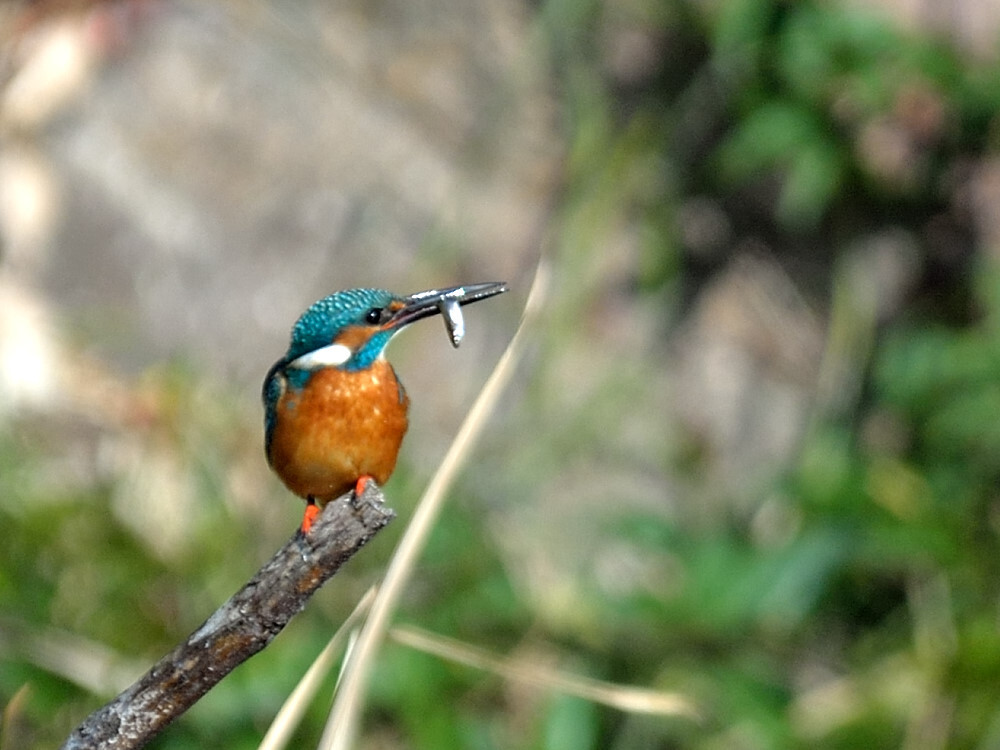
x=449 y=303
x=451 y=311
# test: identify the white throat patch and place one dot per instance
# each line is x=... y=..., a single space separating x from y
x=327 y=356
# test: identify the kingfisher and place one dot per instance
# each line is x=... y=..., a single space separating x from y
x=334 y=410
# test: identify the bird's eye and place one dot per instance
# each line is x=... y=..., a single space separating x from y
x=374 y=316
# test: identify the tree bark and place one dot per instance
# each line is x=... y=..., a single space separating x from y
x=239 y=628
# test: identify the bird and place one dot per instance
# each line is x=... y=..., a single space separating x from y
x=335 y=412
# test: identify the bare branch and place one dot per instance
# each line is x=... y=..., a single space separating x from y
x=239 y=628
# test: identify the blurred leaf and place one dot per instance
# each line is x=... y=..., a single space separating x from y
x=798 y=576
x=570 y=724
x=419 y=689
x=812 y=181
x=767 y=138
x=740 y=35
x=808 y=57
x=827 y=472
x=916 y=368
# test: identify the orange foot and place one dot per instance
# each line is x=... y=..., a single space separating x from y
x=361 y=484
x=312 y=511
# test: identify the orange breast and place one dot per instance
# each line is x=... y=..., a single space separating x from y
x=339 y=427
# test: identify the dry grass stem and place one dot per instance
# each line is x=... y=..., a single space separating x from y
x=293 y=709
x=621 y=697
x=341 y=726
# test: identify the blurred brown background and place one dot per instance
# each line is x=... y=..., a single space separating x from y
x=179 y=180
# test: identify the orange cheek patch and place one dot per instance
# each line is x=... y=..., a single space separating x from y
x=354 y=337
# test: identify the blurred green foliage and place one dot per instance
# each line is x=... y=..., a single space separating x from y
x=870 y=621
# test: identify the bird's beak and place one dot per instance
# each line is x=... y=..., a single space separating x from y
x=447 y=302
